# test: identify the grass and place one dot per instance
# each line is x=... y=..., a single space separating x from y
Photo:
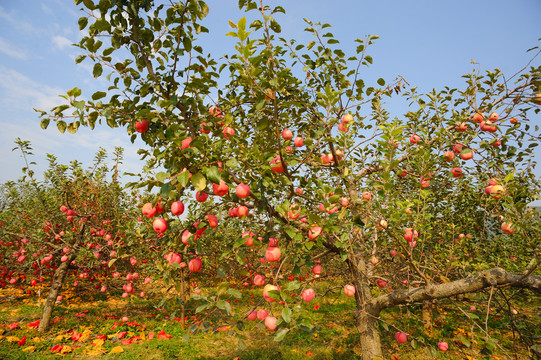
x=215 y=336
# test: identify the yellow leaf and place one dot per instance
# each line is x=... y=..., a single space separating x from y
x=116 y=350
x=60 y=338
x=98 y=342
x=37 y=339
x=29 y=349
x=66 y=349
x=13 y=339
x=85 y=335
x=142 y=335
x=95 y=350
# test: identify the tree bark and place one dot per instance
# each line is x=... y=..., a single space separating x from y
x=426 y=316
x=366 y=316
x=56 y=286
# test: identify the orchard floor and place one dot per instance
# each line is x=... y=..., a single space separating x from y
x=87 y=325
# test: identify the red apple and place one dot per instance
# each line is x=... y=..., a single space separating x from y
x=201 y=196
x=259 y=280
x=317 y=269
x=242 y=191
x=448 y=156
x=270 y=322
x=443 y=346
x=242 y=211
x=149 y=210
x=141 y=126
x=298 y=142
x=508 y=228
x=177 y=208
x=195 y=265
x=159 y=225
x=349 y=290
x=212 y=220
x=220 y=189
x=268 y=288
x=414 y=139
x=186 y=143
x=287 y=134
x=228 y=132
x=401 y=337
x=314 y=232
x=262 y=314
x=272 y=254
x=457 y=172
x=308 y=295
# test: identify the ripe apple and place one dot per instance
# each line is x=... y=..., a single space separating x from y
x=326 y=159
x=141 y=126
x=478 y=117
x=272 y=242
x=314 y=232
x=443 y=346
x=252 y=315
x=242 y=211
x=298 y=142
x=347 y=118
x=317 y=269
x=295 y=212
x=381 y=283
x=494 y=117
x=497 y=191
x=195 y=265
x=133 y=260
x=262 y=314
x=448 y=156
x=298 y=191
x=64 y=258
x=59 y=298
x=466 y=154
x=272 y=254
x=270 y=322
x=159 y=225
x=461 y=127
x=457 y=172
x=287 y=134
x=414 y=139
x=201 y=196
x=508 y=228
x=393 y=252
x=228 y=131
x=344 y=201
x=268 y=288
x=374 y=260
x=401 y=337
x=259 y=280
x=343 y=127
x=513 y=120
x=410 y=234
x=103 y=288
x=63 y=208
x=142 y=294
x=366 y=195
x=220 y=189
x=457 y=148
x=308 y=295
x=147 y=280
x=249 y=236
x=186 y=143
x=149 y=210
x=242 y=191
x=276 y=165
x=349 y=290
x=212 y=220
x=177 y=208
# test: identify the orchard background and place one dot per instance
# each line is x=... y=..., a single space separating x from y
x=287 y=187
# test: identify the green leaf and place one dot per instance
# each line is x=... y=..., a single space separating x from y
x=286 y=315
x=213 y=174
x=199 y=182
x=98 y=95
x=293 y=285
x=235 y=293
x=161 y=176
x=44 y=123
x=72 y=127
x=83 y=21
x=183 y=178
x=381 y=82
x=111 y=262
x=61 y=125
x=201 y=308
x=280 y=335
x=98 y=70
x=187 y=42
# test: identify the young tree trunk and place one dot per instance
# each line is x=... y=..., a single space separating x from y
x=56 y=286
x=366 y=316
x=426 y=316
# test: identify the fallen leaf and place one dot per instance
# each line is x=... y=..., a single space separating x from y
x=66 y=349
x=29 y=349
x=12 y=339
x=116 y=350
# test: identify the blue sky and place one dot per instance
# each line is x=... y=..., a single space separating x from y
x=431 y=43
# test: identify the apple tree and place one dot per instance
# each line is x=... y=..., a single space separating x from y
x=300 y=154
x=75 y=223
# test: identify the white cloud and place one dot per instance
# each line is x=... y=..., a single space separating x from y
x=18 y=23
x=10 y=50
x=61 y=42
x=21 y=92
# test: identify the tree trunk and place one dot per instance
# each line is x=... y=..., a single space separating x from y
x=367 y=325
x=366 y=316
x=426 y=316
x=56 y=286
